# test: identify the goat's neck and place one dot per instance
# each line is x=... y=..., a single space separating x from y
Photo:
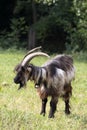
x=38 y=74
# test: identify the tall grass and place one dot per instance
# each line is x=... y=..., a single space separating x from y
x=19 y=110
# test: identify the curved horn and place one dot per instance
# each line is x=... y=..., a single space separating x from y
x=29 y=57
x=17 y=67
x=31 y=51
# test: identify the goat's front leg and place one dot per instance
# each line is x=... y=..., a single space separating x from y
x=53 y=104
x=43 y=108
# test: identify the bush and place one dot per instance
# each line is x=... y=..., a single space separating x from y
x=16 y=37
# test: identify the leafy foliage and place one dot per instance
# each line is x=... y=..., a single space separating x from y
x=17 y=33
x=60 y=24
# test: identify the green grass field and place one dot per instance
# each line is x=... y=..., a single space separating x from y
x=19 y=110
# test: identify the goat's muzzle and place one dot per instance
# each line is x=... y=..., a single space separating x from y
x=21 y=84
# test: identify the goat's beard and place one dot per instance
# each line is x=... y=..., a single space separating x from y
x=21 y=85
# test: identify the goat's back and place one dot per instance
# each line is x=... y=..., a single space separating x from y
x=63 y=62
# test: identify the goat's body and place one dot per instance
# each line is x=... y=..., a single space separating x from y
x=56 y=74
x=52 y=79
x=53 y=85
x=55 y=81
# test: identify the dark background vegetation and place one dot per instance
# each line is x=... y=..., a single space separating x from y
x=56 y=25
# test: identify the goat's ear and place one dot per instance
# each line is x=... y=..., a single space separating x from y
x=23 y=69
x=29 y=69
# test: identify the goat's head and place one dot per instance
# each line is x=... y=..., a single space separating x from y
x=25 y=69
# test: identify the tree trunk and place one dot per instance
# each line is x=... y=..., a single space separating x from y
x=32 y=39
x=32 y=36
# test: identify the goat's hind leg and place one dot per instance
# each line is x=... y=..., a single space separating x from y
x=67 y=107
x=66 y=99
x=43 y=108
x=53 y=104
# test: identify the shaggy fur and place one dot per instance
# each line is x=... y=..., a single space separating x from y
x=52 y=79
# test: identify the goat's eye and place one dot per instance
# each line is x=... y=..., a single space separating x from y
x=19 y=75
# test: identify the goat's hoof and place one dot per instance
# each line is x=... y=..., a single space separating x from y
x=42 y=113
x=67 y=112
x=51 y=116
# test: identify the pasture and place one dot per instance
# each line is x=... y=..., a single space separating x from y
x=19 y=109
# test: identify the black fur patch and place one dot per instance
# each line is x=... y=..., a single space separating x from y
x=62 y=62
x=52 y=70
x=40 y=79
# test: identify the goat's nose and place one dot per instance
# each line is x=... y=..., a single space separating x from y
x=15 y=80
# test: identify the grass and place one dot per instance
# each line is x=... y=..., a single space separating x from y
x=19 y=110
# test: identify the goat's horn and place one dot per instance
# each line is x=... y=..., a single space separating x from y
x=33 y=50
x=17 y=67
x=29 y=57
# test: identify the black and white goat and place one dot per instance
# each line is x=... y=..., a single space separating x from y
x=52 y=79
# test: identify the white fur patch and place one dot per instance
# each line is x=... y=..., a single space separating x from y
x=38 y=76
x=42 y=88
x=60 y=77
x=70 y=75
x=37 y=86
x=43 y=73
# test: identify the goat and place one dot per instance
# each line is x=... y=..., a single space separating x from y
x=52 y=79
